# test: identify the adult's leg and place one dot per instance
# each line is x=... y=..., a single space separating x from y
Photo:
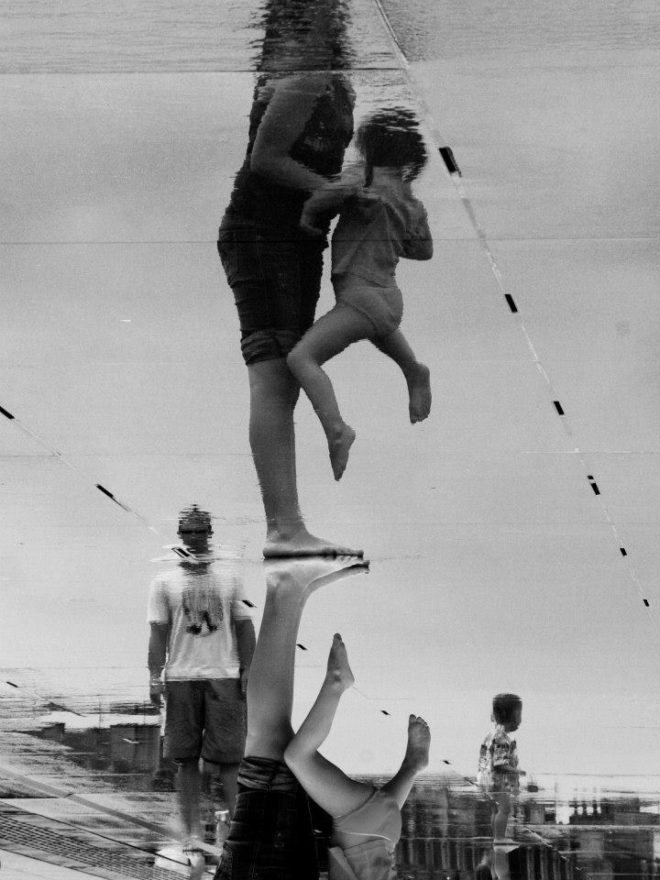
x=273 y=396
x=415 y=760
x=189 y=780
x=325 y=783
x=270 y=684
x=329 y=336
x=228 y=774
x=416 y=374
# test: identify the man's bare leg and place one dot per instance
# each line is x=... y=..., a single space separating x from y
x=228 y=775
x=189 y=779
x=416 y=374
x=273 y=396
x=270 y=684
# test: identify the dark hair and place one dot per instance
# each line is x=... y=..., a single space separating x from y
x=391 y=137
x=316 y=29
x=505 y=707
x=195 y=512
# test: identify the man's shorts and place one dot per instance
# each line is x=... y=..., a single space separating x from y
x=207 y=718
x=275 y=275
x=271 y=835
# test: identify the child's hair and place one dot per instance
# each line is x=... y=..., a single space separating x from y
x=505 y=706
x=390 y=137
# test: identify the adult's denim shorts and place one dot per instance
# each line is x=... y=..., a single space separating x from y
x=271 y=835
x=275 y=275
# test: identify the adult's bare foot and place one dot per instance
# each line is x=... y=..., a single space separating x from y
x=419 y=742
x=304 y=576
x=339 y=448
x=419 y=393
x=296 y=541
x=339 y=672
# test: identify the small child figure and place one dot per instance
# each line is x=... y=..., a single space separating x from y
x=380 y=221
x=498 y=774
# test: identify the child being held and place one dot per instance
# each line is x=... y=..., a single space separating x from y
x=380 y=221
x=498 y=774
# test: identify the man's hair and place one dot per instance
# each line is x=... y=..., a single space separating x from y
x=505 y=706
x=196 y=513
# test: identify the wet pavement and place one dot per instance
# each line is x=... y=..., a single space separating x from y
x=512 y=535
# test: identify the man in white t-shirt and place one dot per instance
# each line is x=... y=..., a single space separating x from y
x=202 y=638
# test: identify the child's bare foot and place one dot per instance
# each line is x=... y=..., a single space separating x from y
x=339 y=447
x=295 y=541
x=339 y=672
x=304 y=576
x=419 y=393
x=419 y=741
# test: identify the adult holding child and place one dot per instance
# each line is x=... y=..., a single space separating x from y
x=301 y=122
x=271 y=834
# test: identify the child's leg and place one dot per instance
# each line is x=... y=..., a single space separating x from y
x=330 y=335
x=270 y=683
x=396 y=347
x=415 y=760
x=325 y=783
x=501 y=818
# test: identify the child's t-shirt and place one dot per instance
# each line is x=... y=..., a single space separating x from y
x=498 y=751
x=369 y=240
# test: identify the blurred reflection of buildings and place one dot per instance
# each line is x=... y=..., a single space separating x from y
x=446 y=834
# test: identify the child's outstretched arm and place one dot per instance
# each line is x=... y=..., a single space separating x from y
x=418 y=244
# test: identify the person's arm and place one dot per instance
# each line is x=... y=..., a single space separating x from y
x=245 y=644
x=156 y=659
x=285 y=118
x=418 y=243
x=332 y=195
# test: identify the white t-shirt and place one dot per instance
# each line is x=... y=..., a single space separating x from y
x=201 y=604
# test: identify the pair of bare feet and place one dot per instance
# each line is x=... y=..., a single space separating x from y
x=418 y=380
x=303 y=577
x=339 y=675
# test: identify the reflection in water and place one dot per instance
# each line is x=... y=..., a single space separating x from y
x=271 y=833
x=301 y=122
x=498 y=775
x=200 y=650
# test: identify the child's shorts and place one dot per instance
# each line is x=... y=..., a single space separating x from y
x=271 y=835
x=383 y=306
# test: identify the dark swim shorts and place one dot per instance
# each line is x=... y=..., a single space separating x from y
x=275 y=275
x=271 y=835
x=207 y=718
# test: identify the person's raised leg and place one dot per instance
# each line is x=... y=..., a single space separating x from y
x=270 y=684
x=416 y=374
x=273 y=396
x=415 y=760
x=329 y=336
x=324 y=782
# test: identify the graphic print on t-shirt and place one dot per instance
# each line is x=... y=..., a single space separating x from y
x=202 y=605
